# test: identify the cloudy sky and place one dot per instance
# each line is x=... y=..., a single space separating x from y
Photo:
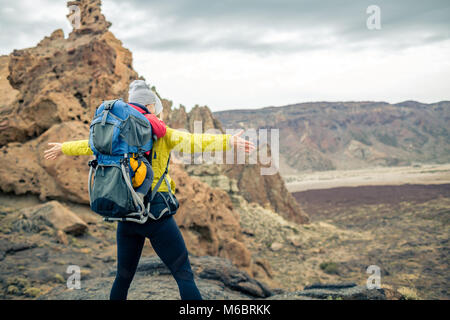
x=254 y=53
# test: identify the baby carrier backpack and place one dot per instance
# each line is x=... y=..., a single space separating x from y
x=118 y=133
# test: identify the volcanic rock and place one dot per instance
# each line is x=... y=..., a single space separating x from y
x=55 y=216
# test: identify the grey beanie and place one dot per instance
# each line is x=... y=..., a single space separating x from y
x=141 y=93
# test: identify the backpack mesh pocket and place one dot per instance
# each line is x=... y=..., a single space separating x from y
x=102 y=137
x=136 y=132
x=110 y=195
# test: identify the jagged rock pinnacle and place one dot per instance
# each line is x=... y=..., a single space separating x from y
x=91 y=19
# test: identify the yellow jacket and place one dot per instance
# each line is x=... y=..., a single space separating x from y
x=173 y=140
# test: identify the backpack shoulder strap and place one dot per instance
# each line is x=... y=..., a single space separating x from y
x=144 y=110
x=163 y=177
x=108 y=105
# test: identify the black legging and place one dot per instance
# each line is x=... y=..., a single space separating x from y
x=167 y=242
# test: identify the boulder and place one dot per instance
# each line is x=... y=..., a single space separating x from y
x=295 y=241
x=343 y=291
x=61 y=237
x=276 y=246
x=57 y=216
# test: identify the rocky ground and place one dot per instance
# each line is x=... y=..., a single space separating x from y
x=35 y=254
x=407 y=230
x=217 y=279
x=37 y=245
x=402 y=229
x=322 y=203
x=407 y=240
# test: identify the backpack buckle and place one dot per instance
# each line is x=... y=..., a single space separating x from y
x=124 y=161
x=108 y=105
x=93 y=163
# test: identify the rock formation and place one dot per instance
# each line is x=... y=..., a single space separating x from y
x=267 y=190
x=179 y=118
x=63 y=80
x=208 y=221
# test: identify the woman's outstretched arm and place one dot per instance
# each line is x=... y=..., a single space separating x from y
x=177 y=140
x=71 y=148
x=204 y=142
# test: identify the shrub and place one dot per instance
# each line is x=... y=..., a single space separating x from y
x=408 y=293
x=329 y=267
x=32 y=292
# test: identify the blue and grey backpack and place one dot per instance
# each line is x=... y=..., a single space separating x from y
x=117 y=133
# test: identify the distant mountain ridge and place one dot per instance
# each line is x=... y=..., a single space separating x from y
x=350 y=135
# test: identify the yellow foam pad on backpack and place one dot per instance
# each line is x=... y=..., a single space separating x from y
x=139 y=173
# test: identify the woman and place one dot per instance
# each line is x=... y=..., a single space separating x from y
x=165 y=237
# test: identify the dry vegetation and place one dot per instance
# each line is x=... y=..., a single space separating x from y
x=408 y=240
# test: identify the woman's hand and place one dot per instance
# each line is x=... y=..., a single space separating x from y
x=242 y=144
x=54 y=152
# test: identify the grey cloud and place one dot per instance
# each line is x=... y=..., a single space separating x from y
x=198 y=25
x=238 y=42
x=21 y=25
